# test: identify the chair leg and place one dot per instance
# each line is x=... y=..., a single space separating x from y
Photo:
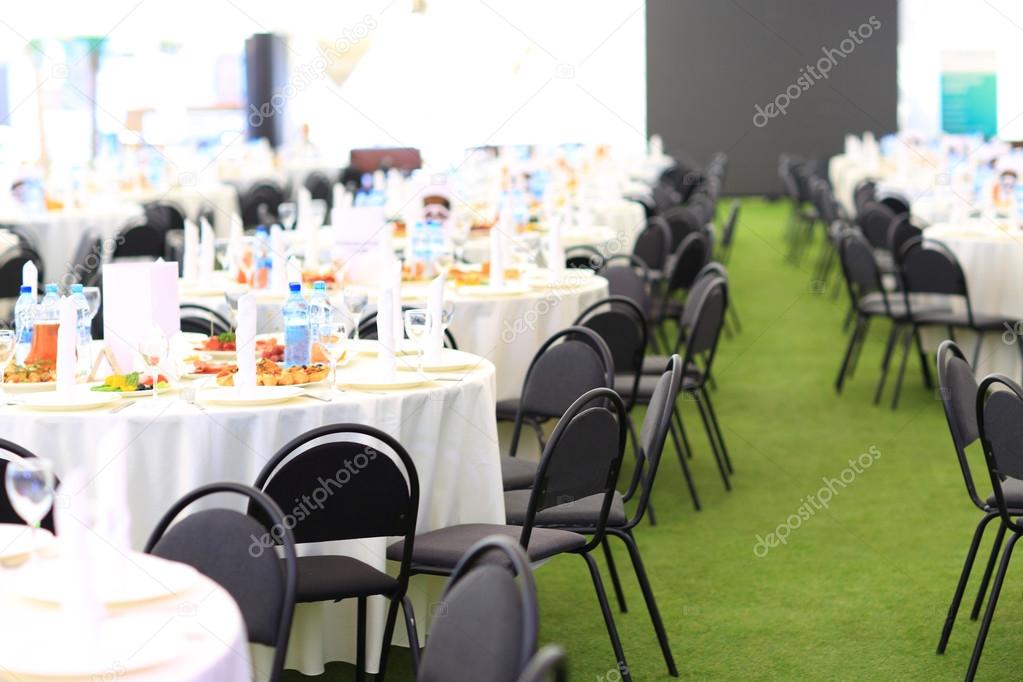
x=682 y=432
x=925 y=364
x=886 y=362
x=976 y=349
x=410 y=628
x=685 y=467
x=713 y=444
x=734 y=314
x=848 y=317
x=538 y=430
x=648 y=596
x=717 y=429
x=609 y=619
x=360 y=642
x=988 y=570
x=840 y=380
x=860 y=341
x=964 y=577
x=985 y=625
x=907 y=340
x=613 y=571
x=385 y=646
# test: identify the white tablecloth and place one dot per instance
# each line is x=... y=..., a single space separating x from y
x=448 y=428
x=204 y=623
x=57 y=233
x=507 y=330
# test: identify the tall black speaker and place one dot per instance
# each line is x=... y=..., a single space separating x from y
x=266 y=75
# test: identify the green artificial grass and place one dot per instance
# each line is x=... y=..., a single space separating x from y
x=860 y=589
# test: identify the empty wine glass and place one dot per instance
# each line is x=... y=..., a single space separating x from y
x=286 y=213
x=332 y=335
x=154 y=347
x=93 y=296
x=459 y=235
x=447 y=314
x=7 y=344
x=443 y=259
x=318 y=211
x=417 y=328
x=29 y=484
x=356 y=299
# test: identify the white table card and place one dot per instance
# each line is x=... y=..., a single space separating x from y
x=137 y=296
x=362 y=243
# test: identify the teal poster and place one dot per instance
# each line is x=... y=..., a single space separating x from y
x=969 y=99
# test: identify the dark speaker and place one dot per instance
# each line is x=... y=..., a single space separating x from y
x=266 y=74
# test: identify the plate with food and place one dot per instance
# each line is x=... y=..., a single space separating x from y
x=270 y=373
x=204 y=368
x=133 y=384
x=219 y=347
x=40 y=376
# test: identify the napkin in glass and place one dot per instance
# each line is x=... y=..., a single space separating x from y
x=67 y=342
x=235 y=244
x=387 y=334
x=245 y=338
x=190 y=257
x=435 y=308
x=497 y=255
x=73 y=520
x=279 y=261
x=207 y=252
x=555 y=250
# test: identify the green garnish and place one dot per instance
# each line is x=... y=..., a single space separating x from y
x=226 y=337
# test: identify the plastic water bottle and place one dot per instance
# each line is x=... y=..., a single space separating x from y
x=319 y=310
x=296 y=327
x=84 y=327
x=262 y=247
x=45 y=322
x=24 y=310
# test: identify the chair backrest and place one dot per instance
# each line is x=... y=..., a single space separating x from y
x=928 y=267
x=548 y=664
x=860 y=269
x=900 y=231
x=12 y=260
x=584 y=257
x=728 y=234
x=958 y=388
x=488 y=625
x=628 y=276
x=1000 y=425
x=864 y=192
x=139 y=241
x=653 y=243
x=88 y=256
x=703 y=206
x=319 y=187
x=7 y=513
x=164 y=217
x=571 y=362
x=265 y=193
x=654 y=431
x=682 y=222
x=896 y=203
x=691 y=255
x=202 y=320
x=223 y=545
x=701 y=321
x=874 y=221
x=622 y=325
x=582 y=458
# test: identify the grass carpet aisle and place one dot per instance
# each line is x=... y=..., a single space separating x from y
x=860 y=589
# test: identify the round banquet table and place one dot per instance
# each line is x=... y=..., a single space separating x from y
x=506 y=329
x=203 y=625
x=992 y=260
x=172 y=446
x=57 y=233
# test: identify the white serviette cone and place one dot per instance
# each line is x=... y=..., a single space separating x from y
x=245 y=338
x=30 y=276
x=399 y=317
x=190 y=256
x=278 y=257
x=207 y=252
x=496 y=257
x=387 y=335
x=435 y=308
x=235 y=244
x=81 y=607
x=294 y=270
x=555 y=248
x=67 y=342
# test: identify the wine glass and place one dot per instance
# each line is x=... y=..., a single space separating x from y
x=153 y=347
x=93 y=296
x=459 y=235
x=286 y=213
x=332 y=335
x=318 y=211
x=417 y=328
x=356 y=299
x=447 y=314
x=7 y=344
x=29 y=484
x=443 y=259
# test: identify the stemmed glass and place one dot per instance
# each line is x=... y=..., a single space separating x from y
x=447 y=314
x=29 y=484
x=7 y=344
x=443 y=259
x=459 y=235
x=417 y=328
x=93 y=297
x=318 y=211
x=356 y=299
x=154 y=347
x=286 y=213
x=332 y=336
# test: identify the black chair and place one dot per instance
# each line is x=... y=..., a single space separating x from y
x=199 y=319
x=7 y=513
x=958 y=390
x=139 y=241
x=1000 y=426
x=219 y=544
x=259 y=203
x=487 y=624
x=164 y=217
x=320 y=187
x=584 y=257
x=381 y=499
x=368 y=329
x=874 y=221
x=682 y=222
x=583 y=515
x=900 y=231
x=896 y=202
x=653 y=246
x=12 y=260
x=548 y=664
x=686 y=261
x=569 y=363
x=581 y=460
x=88 y=258
x=728 y=233
x=865 y=191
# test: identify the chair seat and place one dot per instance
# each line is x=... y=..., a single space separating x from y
x=517 y=473
x=692 y=381
x=960 y=319
x=333 y=577
x=506 y=409
x=583 y=513
x=1012 y=488
x=443 y=548
x=873 y=304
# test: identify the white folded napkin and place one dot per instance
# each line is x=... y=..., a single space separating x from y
x=399 y=317
x=278 y=257
x=67 y=341
x=207 y=252
x=30 y=276
x=497 y=256
x=339 y=196
x=304 y=206
x=73 y=519
x=435 y=308
x=294 y=270
x=235 y=244
x=190 y=256
x=387 y=335
x=113 y=514
x=555 y=249
x=245 y=338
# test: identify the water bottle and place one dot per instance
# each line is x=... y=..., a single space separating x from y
x=296 y=327
x=262 y=248
x=319 y=310
x=24 y=309
x=45 y=322
x=84 y=327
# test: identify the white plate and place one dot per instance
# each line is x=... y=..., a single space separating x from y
x=217 y=355
x=142 y=578
x=26 y=387
x=449 y=361
x=372 y=347
x=261 y=395
x=487 y=291
x=138 y=394
x=17 y=541
x=126 y=643
x=81 y=399
x=372 y=380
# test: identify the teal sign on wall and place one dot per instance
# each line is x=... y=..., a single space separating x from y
x=969 y=103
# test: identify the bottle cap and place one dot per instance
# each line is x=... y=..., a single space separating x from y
x=51 y=288
x=295 y=287
x=76 y=288
x=26 y=289
x=319 y=285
